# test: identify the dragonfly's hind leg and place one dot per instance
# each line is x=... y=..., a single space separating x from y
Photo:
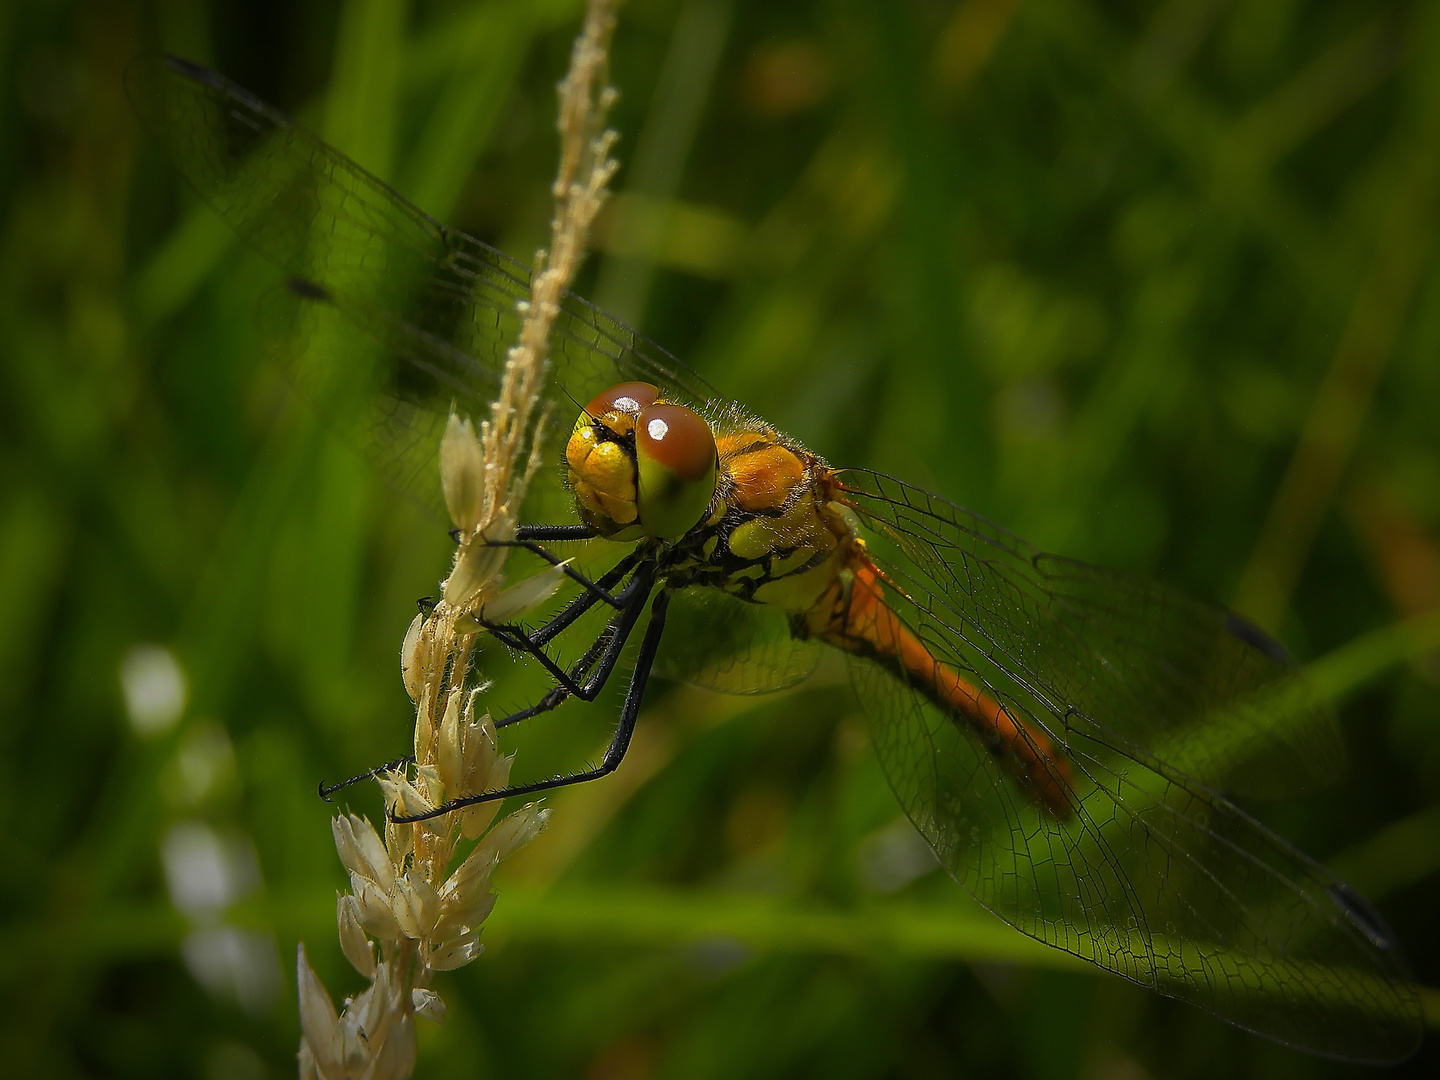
x=614 y=753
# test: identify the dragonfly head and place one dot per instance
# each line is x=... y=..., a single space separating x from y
x=640 y=466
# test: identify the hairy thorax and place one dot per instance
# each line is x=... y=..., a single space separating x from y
x=772 y=536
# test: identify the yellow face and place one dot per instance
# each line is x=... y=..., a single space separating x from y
x=640 y=466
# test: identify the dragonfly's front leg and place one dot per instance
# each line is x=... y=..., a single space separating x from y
x=533 y=538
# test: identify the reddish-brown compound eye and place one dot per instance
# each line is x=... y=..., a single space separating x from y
x=675 y=452
x=628 y=398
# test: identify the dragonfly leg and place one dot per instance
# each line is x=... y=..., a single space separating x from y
x=588 y=599
x=554 y=534
x=569 y=684
x=603 y=645
x=551 y=700
x=532 y=645
x=631 y=597
x=326 y=790
x=549 y=533
x=606 y=649
x=614 y=753
x=533 y=538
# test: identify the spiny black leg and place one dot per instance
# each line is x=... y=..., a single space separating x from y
x=578 y=670
x=553 y=699
x=548 y=533
x=327 y=790
x=614 y=754
x=538 y=549
x=558 y=694
x=585 y=601
x=612 y=640
x=569 y=685
x=532 y=644
x=521 y=644
x=554 y=534
x=515 y=635
x=635 y=693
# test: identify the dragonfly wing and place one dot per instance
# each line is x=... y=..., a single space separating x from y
x=722 y=643
x=1188 y=682
x=441 y=303
x=1154 y=879
x=1154 y=875
x=361 y=393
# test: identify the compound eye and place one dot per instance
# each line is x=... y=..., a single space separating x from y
x=675 y=451
x=628 y=398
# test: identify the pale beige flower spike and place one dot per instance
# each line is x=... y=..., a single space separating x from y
x=404 y=897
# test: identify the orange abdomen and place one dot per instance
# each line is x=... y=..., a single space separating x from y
x=864 y=624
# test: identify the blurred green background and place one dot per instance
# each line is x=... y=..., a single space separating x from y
x=1153 y=284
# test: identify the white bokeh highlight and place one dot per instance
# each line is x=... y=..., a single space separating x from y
x=155 y=689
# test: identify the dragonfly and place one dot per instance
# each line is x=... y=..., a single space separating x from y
x=1067 y=739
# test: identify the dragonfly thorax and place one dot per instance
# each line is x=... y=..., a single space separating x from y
x=773 y=535
x=641 y=467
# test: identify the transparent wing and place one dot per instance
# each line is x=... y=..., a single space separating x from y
x=1190 y=682
x=440 y=302
x=722 y=643
x=1155 y=876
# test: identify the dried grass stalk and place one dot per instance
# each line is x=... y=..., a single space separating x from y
x=411 y=893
